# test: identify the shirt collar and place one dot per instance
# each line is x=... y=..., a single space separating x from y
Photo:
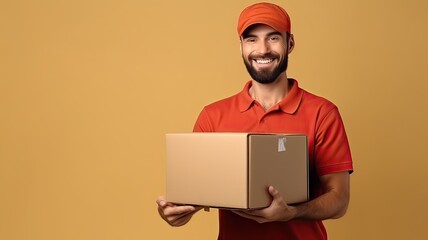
x=245 y=100
x=289 y=104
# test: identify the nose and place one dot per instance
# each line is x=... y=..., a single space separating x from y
x=263 y=47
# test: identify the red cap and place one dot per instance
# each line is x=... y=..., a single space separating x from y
x=264 y=13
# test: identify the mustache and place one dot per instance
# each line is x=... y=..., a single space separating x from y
x=267 y=55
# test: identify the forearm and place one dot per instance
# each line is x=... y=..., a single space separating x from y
x=327 y=206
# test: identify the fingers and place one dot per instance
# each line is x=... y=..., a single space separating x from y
x=171 y=209
x=163 y=203
x=175 y=215
x=178 y=215
x=267 y=214
x=273 y=192
x=178 y=210
x=177 y=222
x=276 y=196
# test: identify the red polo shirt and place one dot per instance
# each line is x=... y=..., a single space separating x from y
x=299 y=112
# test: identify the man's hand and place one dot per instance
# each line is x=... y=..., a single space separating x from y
x=330 y=205
x=278 y=210
x=175 y=215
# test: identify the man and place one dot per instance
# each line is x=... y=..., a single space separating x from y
x=273 y=103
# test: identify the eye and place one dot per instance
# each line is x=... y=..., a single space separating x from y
x=274 y=38
x=250 y=40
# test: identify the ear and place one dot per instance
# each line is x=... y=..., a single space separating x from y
x=291 y=43
x=240 y=45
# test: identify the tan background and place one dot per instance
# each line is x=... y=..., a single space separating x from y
x=88 y=88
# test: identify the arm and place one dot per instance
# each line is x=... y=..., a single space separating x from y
x=175 y=215
x=332 y=204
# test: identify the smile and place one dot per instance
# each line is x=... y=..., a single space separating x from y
x=264 y=61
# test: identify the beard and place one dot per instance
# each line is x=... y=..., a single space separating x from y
x=266 y=76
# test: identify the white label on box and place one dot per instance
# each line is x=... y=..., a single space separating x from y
x=281 y=144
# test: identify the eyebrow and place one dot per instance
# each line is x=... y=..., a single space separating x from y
x=248 y=35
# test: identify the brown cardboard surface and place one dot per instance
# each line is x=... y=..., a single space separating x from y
x=234 y=170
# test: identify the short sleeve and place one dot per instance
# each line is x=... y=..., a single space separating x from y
x=203 y=123
x=332 y=151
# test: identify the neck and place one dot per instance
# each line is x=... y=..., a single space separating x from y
x=267 y=95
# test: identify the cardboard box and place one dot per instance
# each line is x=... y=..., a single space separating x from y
x=234 y=170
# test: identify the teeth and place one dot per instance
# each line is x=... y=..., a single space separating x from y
x=264 y=61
